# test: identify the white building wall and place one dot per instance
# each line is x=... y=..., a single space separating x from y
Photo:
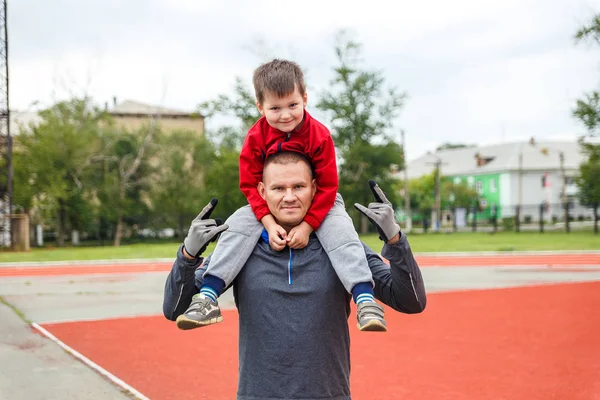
x=534 y=194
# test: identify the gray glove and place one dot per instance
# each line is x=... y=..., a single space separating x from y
x=203 y=230
x=380 y=213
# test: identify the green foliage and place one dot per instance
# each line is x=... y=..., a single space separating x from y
x=588 y=180
x=178 y=191
x=362 y=112
x=242 y=106
x=52 y=161
x=588 y=112
x=508 y=224
x=359 y=107
x=422 y=195
x=458 y=195
x=222 y=182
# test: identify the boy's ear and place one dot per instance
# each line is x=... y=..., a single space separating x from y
x=260 y=109
x=305 y=98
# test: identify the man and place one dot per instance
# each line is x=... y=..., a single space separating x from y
x=294 y=340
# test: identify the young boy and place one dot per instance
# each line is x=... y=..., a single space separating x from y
x=286 y=126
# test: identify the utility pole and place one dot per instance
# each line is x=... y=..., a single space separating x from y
x=407 y=212
x=5 y=138
x=563 y=190
x=437 y=218
x=520 y=207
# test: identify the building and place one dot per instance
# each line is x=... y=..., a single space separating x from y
x=510 y=174
x=132 y=115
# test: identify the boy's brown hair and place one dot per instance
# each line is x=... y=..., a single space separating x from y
x=278 y=77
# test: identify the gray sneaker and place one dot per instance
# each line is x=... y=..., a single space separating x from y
x=201 y=312
x=370 y=317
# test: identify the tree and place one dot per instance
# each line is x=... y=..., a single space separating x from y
x=242 y=106
x=126 y=175
x=587 y=110
x=588 y=181
x=362 y=112
x=458 y=195
x=178 y=189
x=54 y=157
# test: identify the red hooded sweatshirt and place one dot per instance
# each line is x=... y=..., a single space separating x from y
x=313 y=140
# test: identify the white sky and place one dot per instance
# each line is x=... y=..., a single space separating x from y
x=476 y=71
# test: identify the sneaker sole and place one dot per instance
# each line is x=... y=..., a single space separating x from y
x=185 y=323
x=373 y=325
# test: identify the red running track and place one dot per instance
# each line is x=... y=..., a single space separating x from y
x=519 y=343
x=424 y=261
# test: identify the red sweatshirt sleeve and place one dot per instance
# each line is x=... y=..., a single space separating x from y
x=327 y=183
x=251 y=169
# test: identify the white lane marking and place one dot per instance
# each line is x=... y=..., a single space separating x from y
x=90 y=363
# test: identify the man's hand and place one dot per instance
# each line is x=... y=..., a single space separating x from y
x=298 y=236
x=203 y=230
x=381 y=214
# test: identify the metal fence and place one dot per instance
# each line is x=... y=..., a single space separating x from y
x=528 y=217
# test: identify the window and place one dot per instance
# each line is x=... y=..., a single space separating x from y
x=493 y=186
x=479 y=186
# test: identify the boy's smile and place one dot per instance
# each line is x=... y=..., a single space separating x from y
x=283 y=113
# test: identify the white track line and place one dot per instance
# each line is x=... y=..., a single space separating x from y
x=90 y=363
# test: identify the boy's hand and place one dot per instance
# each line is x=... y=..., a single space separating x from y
x=277 y=236
x=298 y=236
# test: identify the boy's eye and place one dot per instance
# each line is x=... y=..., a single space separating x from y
x=293 y=105
x=274 y=108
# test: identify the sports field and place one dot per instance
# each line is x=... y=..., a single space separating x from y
x=495 y=327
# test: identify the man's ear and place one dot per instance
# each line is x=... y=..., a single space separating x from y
x=261 y=190
x=313 y=184
x=260 y=109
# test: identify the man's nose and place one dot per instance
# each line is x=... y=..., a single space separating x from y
x=288 y=195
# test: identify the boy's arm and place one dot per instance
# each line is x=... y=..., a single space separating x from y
x=251 y=167
x=324 y=164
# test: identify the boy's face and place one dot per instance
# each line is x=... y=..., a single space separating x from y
x=283 y=113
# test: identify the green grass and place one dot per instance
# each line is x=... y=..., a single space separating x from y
x=439 y=242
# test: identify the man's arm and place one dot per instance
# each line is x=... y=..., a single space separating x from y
x=185 y=277
x=400 y=284
x=183 y=282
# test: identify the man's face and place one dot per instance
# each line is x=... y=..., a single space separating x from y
x=288 y=190
x=283 y=113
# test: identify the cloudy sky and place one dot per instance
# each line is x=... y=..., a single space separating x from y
x=476 y=71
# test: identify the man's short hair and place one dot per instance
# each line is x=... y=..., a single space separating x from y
x=279 y=78
x=288 y=157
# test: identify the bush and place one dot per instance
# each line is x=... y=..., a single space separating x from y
x=508 y=224
x=528 y=219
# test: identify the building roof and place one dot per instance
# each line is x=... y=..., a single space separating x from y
x=503 y=157
x=135 y=108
